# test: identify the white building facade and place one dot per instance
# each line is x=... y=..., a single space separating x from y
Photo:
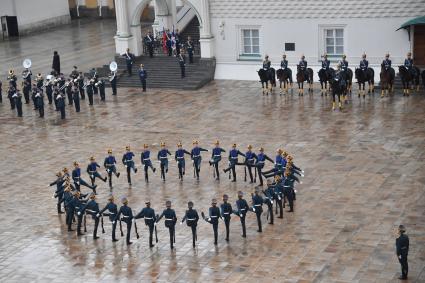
x=238 y=33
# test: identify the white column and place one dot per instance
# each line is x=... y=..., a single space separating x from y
x=122 y=18
x=206 y=38
x=173 y=12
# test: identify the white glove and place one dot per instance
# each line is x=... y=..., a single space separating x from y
x=209 y=219
x=133 y=220
x=78 y=183
x=125 y=166
x=272 y=202
x=181 y=223
x=253 y=209
x=78 y=213
x=279 y=198
x=92 y=176
x=98 y=215
x=113 y=222
x=295 y=190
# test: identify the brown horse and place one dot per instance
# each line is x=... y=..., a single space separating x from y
x=301 y=78
x=283 y=76
x=387 y=80
x=407 y=77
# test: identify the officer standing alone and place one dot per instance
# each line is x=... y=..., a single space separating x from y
x=143 y=75
x=402 y=249
x=182 y=63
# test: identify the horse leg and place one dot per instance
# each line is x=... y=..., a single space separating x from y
x=339 y=102
x=321 y=88
x=360 y=89
x=333 y=101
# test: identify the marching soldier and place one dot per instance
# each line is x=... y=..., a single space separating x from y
x=69 y=206
x=163 y=160
x=39 y=81
x=269 y=195
x=80 y=81
x=12 y=78
x=288 y=190
x=59 y=182
x=76 y=97
x=241 y=211
x=33 y=93
x=90 y=91
x=303 y=65
x=39 y=102
x=127 y=217
x=74 y=74
x=101 y=86
x=26 y=90
x=17 y=101
x=364 y=64
x=191 y=217
x=60 y=100
x=49 y=91
x=146 y=161
x=257 y=202
x=196 y=157
x=92 y=171
x=149 y=43
x=182 y=63
x=10 y=92
x=129 y=59
x=278 y=194
x=94 y=78
x=170 y=221
x=112 y=214
x=189 y=46
x=143 y=75
x=344 y=63
x=55 y=93
x=179 y=157
x=284 y=66
x=113 y=81
x=110 y=167
x=402 y=250
x=127 y=160
x=408 y=63
x=233 y=161
x=92 y=208
x=214 y=214
x=279 y=165
x=150 y=220
x=226 y=211
x=250 y=158
x=78 y=203
x=216 y=158
x=78 y=181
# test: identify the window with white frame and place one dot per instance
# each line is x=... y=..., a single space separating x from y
x=250 y=43
x=334 y=42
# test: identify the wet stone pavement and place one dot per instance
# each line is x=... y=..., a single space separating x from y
x=364 y=175
x=364 y=170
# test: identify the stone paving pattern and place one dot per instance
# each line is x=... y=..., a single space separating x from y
x=364 y=176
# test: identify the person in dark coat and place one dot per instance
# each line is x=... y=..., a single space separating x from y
x=56 y=65
x=402 y=250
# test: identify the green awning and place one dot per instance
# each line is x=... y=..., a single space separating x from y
x=412 y=22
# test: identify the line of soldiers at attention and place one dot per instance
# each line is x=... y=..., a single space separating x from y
x=57 y=88
x=252 y=162
x=78 y=206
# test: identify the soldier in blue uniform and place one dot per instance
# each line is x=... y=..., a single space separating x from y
x=80 y=82
x=92 y=208
x=241 y=211
x=127 y=217
x=303 y=66
x=76 y=97
x=163 y=160
x=266 y=63
x=129 y=59
x=182 y=63
x=146 y=161
x=101 y=86
x=402 y=250
x=269 y=196
x=189 y=47
x=216 y=158
x=170 y=221
x=288 y=189
x=68 y=90
x=386 y=64
x=92 y=171
x=69 y=207
x=233 y=161
x=148 y=214
x=110 y=167
x=344 y=63
x=408 y=63
x=279 y=165
x=60 y=100
x=127 y=160
x=26 y=88
x=364 y=64
x=33 y=93
x=143 y=75
x=77 y=203
x=112 y=214
x=214 y=214
x=259 y=164
x=250 y=158
x=191 y=217
x=195 y=154
x=226 y=212
x=278 y=194
x=179 y=157
x=113 y=82
x=10 y=92
x=59 y=182
x=149 y=43
x=17 y=101
x=257 y=207
x=326 y=64
x=76 y=177
x=284 y=66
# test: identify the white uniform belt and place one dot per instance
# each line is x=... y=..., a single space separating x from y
x=180 y=157
x=148 y=218
x=217 y=155
x=107 y=164
x=257 y=204
x=76 y=177
x=92 y=171
x=92 y=211
x=146 y=159
x=226 y=212
x=260 y=162
x=191 y=219
x=213 y=216
x=242 y=209
x=169 y=219
x=250 y=159
x=125 y=216
x=162 y=157
x=196 y=156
